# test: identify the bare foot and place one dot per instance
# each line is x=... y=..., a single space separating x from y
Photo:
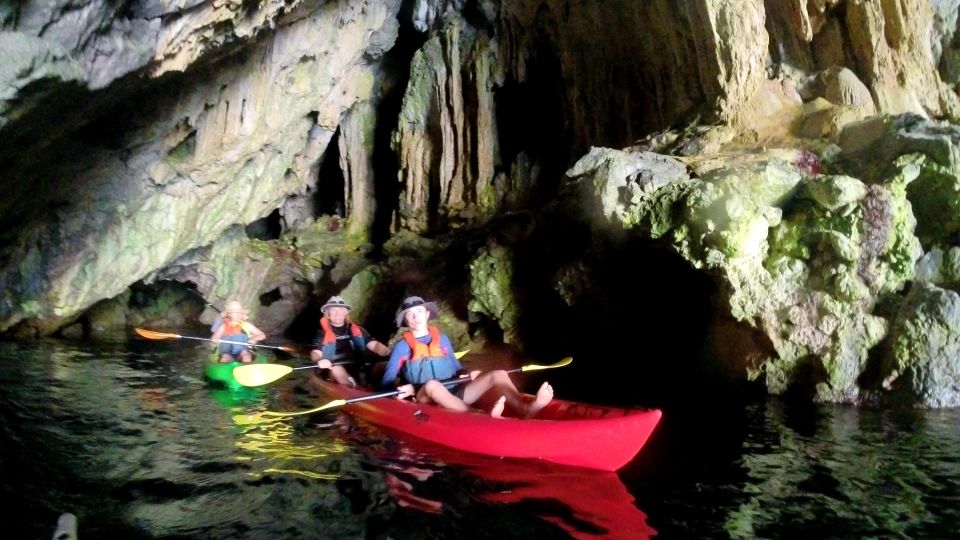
x=497 y=409
x=544 y=396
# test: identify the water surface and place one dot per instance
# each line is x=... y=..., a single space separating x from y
x=128 y=437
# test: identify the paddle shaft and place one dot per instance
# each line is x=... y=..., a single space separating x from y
x=342 y=402
x=235 y=342
x=454 y=381
x=448 y=382
x=338 y=363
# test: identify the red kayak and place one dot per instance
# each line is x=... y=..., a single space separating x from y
x=565 y=432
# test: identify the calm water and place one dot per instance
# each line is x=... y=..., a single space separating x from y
x=129 y=438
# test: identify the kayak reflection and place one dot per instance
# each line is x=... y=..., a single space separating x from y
x=585 y=503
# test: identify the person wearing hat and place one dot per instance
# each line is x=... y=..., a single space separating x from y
x=424 y=357
x=340 y=339
x=235 y=327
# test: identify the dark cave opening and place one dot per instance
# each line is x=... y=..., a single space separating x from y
x=636 y=329
x=530 y=118
x=268 y=298
x=637 y=324
x=328 y=199
x=268 y=228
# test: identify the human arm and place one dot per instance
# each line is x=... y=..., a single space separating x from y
x=255 y=334
x=378 y=348
x=451 y=355
x=217 y=334
x=392 y=372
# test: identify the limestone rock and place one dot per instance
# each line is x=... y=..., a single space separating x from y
x=361 y=292
x=924 y=358
x=940 y=268
x=491 y=289
x=621 y=185
x=935 y=202
x=197 y=161
x=822 y=119
x=945 y=52
x=29 y=66
x=437 y=142
x=801 y=259
x=870 y=148
x=356 y=162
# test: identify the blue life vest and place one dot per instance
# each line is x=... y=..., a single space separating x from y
x=427 y=360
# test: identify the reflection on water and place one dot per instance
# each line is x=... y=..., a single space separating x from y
x=128 y=437
x=581 y=503
x=277 y=445
x=776 y=470
x=838 y=468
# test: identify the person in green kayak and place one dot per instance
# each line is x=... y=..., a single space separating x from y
x=340 y=339
x=239 y=332
x=424 y=357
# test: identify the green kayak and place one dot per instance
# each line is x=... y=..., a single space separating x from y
x=222 y=373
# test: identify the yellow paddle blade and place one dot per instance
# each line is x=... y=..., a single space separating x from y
x=259 y=374
x=461 y=354
x=535 y=367
x=150 y=334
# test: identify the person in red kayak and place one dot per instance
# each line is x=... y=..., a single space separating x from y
x=237 y=330
x=424 y=356
x=339 y=339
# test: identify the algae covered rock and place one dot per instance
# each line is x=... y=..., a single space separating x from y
x=491 y=281
x=924 y=357
x=935 y=196
x=800 y=257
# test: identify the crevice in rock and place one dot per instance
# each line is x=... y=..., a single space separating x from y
x=268 y=228
x=328 y=199
x=187 y=146
x=396 y=63
x=269 y=297
x=530 y=118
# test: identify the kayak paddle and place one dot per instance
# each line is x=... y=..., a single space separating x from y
x=150 y=334
x=260 y=374
x=257 y=418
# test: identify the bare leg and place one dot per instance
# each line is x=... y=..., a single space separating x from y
x=245 y=356
x=543 y=397
x=434 y=392
x=501 y=381
x=340 y=375
x=497 y=409
x=225 y=358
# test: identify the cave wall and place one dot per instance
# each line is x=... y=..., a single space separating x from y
x=186 y=156
x=137 y=135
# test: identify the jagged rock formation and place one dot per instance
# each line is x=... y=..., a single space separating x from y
x=211 y=151
x=804 y=258
x=141 y=138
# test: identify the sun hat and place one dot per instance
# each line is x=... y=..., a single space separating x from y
x=411 y=302
x=335 y=301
